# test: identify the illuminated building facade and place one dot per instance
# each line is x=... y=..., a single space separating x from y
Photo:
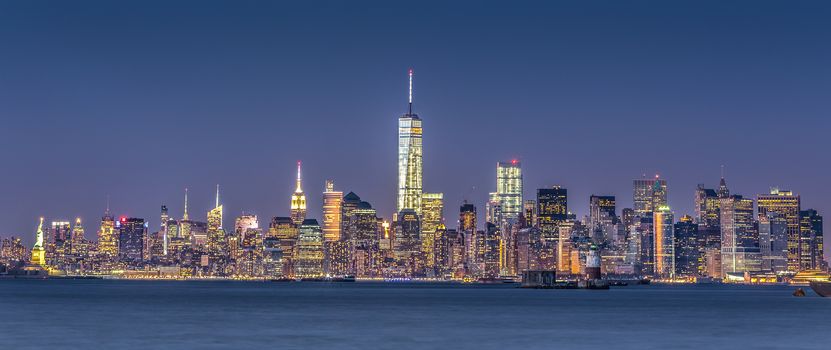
x=332 y=212
x=649 y=194
x=309 y=262
x=298 y=201
x=552 y=210
x=773 y=243
x=508 y=193
x=410 y=170
x=664 y=242
x=739 y=239
x=787 y=205
x=132 y=240
x=217 y=240
x=689 y=248
x=811 y=241
x=432 y=215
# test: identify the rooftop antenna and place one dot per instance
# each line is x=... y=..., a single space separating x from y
x=411 y=92
x=217 y=196
x=107 y=213
x=185 y=215
x=298 y=190
x=722 y=171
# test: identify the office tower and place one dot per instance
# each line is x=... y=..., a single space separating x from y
x=773 y=243
x=410 y=172
x=272 y=258
x=332 y=212
x=508 y=193
x=493 y=212
x=298 y=201
x=565 y=231
x=602 y=211
x=706 y=205
x=689 y=248
x=457 y=254
x=57 y=245
x=132 y=240
x=490 y=251
x=529 y=210
x=407 y=231
x=164 y=218
x=649 y=194
x=810 y=240
x=739 y=239
x=627 y=217
x=528 y=249
x=467 y=228
x=77 y=241
x=217 y=242
x=602 y=219
x=309 y=262
x=432 y=215
x=664 y=242
x=284 y=229
x=362 y=232
x=552 y=210
x=787 y=205
x=441 y=254
x=38 y=252
x=107 y=239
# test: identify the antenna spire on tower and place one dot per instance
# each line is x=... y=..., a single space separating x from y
x=107 y=213
x=185 y=215
x=411 y=91
x=217 y=196
x=298 y=190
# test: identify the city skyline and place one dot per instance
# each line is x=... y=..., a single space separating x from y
x=66 y=149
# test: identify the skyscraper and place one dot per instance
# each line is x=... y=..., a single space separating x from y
x=508 y=190
x=217 y=242
x=332 y=212
x=410 y=170
x=787 y=205
x=107 y=239
x=664 y=242
x=132 y=240
x=649 y=194
x=432 y=215
x=689 y=248
x=298 y=201
x=552 y=210
x=810 y=240
x=76 y=240
x=739 y=239
x=309 y=262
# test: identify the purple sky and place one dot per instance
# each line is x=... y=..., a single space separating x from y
x=139 y=100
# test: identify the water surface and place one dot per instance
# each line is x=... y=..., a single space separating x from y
x=110 y=314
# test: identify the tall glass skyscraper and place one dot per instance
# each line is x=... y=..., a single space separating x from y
x=410 y=171
x=508 y=193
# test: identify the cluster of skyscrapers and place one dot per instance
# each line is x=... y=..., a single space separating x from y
x=729 y=237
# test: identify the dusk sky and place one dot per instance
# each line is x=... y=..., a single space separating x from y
x=138 y=100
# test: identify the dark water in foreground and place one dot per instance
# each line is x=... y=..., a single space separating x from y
x=105 y=314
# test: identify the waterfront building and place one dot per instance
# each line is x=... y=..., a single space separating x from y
x=467 y=228
x=284 y=230
x=811 y=245
x=332 y=212
x=410 y=169
x=298 y=201
x=787 y=205
x=490 y=251
x=309 y=262
x=664 y=248
x=739 y=238
x=432 y=216
x=689 y=248
x=773 y=243
x=508 y=195
x=552 y=210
